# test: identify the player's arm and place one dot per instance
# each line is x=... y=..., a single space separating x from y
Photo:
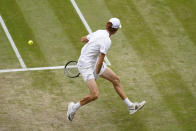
x=100 y=62
x=84 y=39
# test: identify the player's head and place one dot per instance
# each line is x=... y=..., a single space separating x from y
x=113 y=25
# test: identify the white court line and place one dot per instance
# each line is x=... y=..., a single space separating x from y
x=12 y=43
x=81 y=16
x=86 y=24
x=32 y=69
x=37 y=68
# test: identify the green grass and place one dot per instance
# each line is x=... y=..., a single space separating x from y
x=153 y=53
x=7 y=56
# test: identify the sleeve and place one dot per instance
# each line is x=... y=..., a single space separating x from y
x=105 y=46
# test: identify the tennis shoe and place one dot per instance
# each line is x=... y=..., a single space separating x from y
x=135 y=107
x=71 y=111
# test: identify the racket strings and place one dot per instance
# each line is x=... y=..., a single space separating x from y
x=71 y=69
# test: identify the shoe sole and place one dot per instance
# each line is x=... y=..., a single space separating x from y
x=138 y=108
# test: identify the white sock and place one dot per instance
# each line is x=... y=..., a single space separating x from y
x=77 y=105
x=127 y=102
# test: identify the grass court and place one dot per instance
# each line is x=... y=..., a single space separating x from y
x=154 y=53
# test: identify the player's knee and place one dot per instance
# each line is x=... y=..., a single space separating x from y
x=94 y=96
x=116 y=80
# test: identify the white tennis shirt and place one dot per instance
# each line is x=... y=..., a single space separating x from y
x=99 y=42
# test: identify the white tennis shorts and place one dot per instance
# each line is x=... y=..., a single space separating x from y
x=90 y=73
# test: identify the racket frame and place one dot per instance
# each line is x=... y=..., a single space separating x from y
x=66 y=66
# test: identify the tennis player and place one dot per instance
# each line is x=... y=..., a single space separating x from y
x=91 y=66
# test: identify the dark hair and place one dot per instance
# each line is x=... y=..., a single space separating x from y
x=110 y=29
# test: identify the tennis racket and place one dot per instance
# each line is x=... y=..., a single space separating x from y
x=71 y=69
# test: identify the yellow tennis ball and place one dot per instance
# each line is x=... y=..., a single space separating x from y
x=30 y=42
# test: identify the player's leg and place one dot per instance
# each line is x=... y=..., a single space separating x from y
x=109 y=75
x=93 y=95
x=94 y=92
